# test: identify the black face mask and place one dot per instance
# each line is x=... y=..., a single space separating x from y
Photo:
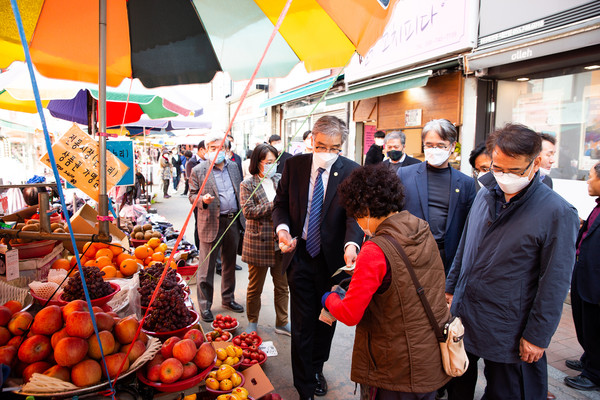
x=394 y=155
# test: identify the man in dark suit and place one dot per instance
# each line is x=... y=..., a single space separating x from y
x=585 y=295
x=394 y=148
x=232 y=155
x=217 y=208
x=375 y=153
x=275 y=141
x=548 y=158
x=438 y=193
x=316 y=237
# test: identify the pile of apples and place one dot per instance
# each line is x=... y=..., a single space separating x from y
x=61 y=343
x=181 y=359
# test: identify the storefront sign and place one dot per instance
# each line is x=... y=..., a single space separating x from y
x=369 y=137
x=77 y=158
x=123 y=149
x=413 y=117
x=419 y=30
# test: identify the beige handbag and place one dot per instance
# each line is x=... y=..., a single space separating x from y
x=452 y=347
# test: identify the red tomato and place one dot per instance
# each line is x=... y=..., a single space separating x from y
x=224 y=337
x=243 y=335
x=261 y=356
x=246 y=354
x=254 y=362
x=219 y=317
x=227 y=318
x=237 y=341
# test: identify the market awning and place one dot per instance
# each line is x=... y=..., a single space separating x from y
x=307 y=90
x=380 y=87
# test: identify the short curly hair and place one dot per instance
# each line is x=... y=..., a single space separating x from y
x=373 y=190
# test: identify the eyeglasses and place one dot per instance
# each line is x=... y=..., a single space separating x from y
x=437 y=146
x=499 y=172
x=323 y=149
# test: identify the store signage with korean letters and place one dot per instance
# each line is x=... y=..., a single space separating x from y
x=419 y=30
x=77 y=158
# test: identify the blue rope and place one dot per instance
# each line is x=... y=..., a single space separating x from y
x=40 y=109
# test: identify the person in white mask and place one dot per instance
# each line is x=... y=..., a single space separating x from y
x=307 y=138
x=512 y=271
x=282 y=155
x=480 y=161
x=316 y=237
x=375 y=153
x=548 y=155
x=436 y=192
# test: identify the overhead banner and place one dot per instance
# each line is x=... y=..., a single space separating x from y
x=77 y=158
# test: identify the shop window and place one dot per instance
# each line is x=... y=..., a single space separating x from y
x=567 y=107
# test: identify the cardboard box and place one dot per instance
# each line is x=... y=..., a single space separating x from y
x=256 y=381
x=21 y=215
x=85 y=221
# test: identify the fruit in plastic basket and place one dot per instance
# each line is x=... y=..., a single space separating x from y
x=113 y=363
x=122 y=257
x=86 y=373
x=241 y=392
x=95 y=283
x=225 y=384
x=37 y=367
x=8 y=355
x=14 y=306
x=189 y=370
x=129 y=267
x=204 y=356
x=4 y=335
x=89 y=250
x=35 y=348
x=167 y=347
x=57 y=336
x=104 y=321
x=143 y=251
x=102 y=262
x=171 y=370
x=116 y=248
x=61 y=263
x=224 y=372
x=153 y=373
x=47 y=321
x=212 y=383
x=79 y=324
x=154 y=242
x=106 y=252
x=109 y=271
x=137 y=349
x=195 y=335
x=231 y=352
x=75 y=305
x=184 y=350
x=107 y=341
x=221 y=354
x=236 y=379
x=162 y=248
x=70 y=350
x=158 y=256
x=125 y=329
x=15 y=341
x=58 y=372
x=19 y=323
x=5 y=315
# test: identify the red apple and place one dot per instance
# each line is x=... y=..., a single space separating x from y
x=75 y=305
x=19 y=323
x=143 y=337
x=97 y=309
x=47 y=321
x=157 y=360
x=167 y=347
x=5 y=315
x=205 y=356
x=37 y=367
x=16 y=341
x=184 y=350
x=125 y=329
x=57 y=336
x=58 y=372
x=137 y=349
x=195 y=335
x=34 y=349
x=189 y=370
x=5 y=335
x=79 y=324
x=14 y=306
x=104 y=321
x=8 y=355
x=108 y=345
x=170 y=370
x=86 y=373
x=70 y=351
x=153 y=373
x=112 y=313
x=113 y=363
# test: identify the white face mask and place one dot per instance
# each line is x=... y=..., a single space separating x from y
x=209 y=156
x=512 y=183
x=436 y=157
x=324 y=160
x=379 y=142
x=544 y=171
x=308 y=145
x=278 y=147
x=269 y=170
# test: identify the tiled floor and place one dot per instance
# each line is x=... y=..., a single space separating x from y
x=564 y=343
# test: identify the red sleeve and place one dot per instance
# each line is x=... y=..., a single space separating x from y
x=368 y=276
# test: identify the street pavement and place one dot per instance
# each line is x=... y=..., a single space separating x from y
x=337 y=370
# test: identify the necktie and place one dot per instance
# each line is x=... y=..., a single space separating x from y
x=313 y=234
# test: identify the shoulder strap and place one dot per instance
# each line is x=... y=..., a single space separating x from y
x=418 y=287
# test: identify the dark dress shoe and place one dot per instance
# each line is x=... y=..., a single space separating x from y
x=238 y=268
x=321 y=389
x=550 y=396
x=207 y=316
x=577 y=365
x=580 y=382
x=233 y=306
x=218 y=270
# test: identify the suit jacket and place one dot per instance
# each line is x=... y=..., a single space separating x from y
x=259 y=239
x=291 y=202
x=374 y=155
x=462 y=193
x=208 y=215
x=284 y=156
x=586 y=273
x=408 y=160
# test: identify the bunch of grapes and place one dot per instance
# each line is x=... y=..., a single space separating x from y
x=149 y=278
x=96 y=285
x=168 y=312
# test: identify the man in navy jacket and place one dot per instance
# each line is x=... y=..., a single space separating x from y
x=436 y=192
x=511 y=272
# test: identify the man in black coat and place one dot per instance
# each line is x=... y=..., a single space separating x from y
x=275 y=141
x=316 y=237
x=375 y=152
x=585 y=295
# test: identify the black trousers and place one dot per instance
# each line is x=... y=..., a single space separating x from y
x=308 y=280
x=586 y=317
x=196 y=239
x=518 y=381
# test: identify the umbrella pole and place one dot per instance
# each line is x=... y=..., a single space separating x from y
x=103 y=196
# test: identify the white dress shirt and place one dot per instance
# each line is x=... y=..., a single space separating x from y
x=269 y=188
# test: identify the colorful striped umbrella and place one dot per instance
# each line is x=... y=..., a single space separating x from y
x=181 y=41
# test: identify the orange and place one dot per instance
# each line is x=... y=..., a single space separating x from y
x=116 y=248
x=154 y=242
x=162 y=248
x=72 y=261
x=119 y=275
x=62 y=263
x=89 y=250
x=100 y=245
x=174 y=265
x=128 y=267
x=123 y=256
x=142 y=252
x=109 y=271
x=103 y=261
x=158 y=256
x=104 y=253
x=147 y=260
x=89 y=263
x=137 y=260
